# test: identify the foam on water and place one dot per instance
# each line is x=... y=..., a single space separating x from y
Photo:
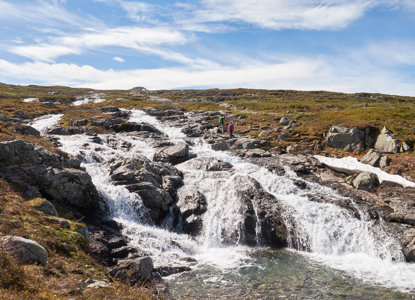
x=96 y=98
x=43 y=123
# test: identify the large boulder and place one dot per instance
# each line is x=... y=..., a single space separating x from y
x=386 y=143
x=246 y=143
x=261 y=211
x=173 y=154
x=366 y=181
x=23 y=249
x=347 y=138
x=50 y=175
x=192 y=207
x=156 y=183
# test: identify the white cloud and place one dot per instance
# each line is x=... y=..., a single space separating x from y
x=282 y=14
x=43 y=13
x=351 y=71
x=138 y=11
x=139 y=38
x=119 y=59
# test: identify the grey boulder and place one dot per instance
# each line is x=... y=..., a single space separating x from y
x=24 y=249
x=344 y=137
x=386 y=142
x=366 y=181
x=173 y=154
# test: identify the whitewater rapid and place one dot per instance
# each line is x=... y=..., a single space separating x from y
x=334 y=237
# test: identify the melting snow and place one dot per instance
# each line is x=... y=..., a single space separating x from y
x=352 y=164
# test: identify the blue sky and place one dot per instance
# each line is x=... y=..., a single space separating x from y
x=336 y=45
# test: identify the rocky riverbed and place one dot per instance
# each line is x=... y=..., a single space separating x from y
x=164 y=192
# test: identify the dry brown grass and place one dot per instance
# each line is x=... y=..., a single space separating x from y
x=68 y=264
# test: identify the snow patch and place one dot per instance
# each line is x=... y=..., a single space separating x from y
x=352 y=164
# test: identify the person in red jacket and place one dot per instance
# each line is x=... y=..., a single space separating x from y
x=230 y=128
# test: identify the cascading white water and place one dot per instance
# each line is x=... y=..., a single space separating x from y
x=333 y=236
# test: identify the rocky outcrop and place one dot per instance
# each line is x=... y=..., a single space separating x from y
x=347 y=138
x=192 y=207
x=23 y=249
x=173 y=154
x=51 y=175
x=386 y=142
x=256 y=202
x=156 y=183
x=366 y=181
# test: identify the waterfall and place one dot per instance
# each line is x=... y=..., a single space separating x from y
x=331 y=234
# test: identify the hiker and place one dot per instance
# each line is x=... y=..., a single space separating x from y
x=230 y=128
x=222 y=123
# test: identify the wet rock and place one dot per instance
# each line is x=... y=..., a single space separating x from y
x=268 y=209
x=167 y=271
x=26 y=130
x=155 y=199
x=345 y=137
x=156 y=183
x=117 y=242
x=123 y=252
x=386 y=143
x=134 y=270
x=131 y=126
x=171 y=184
x=57 y=130
x=192 y=207
x=173 y=154
x=366 y=181
x=23 y=249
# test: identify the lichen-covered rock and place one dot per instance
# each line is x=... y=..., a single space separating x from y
x=23 y=249
x=345 y=137
x=47 y=174
x=371 y=158
x=386 y=142
x=366 y=181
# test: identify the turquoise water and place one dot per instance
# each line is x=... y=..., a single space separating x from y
x=276 y=274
